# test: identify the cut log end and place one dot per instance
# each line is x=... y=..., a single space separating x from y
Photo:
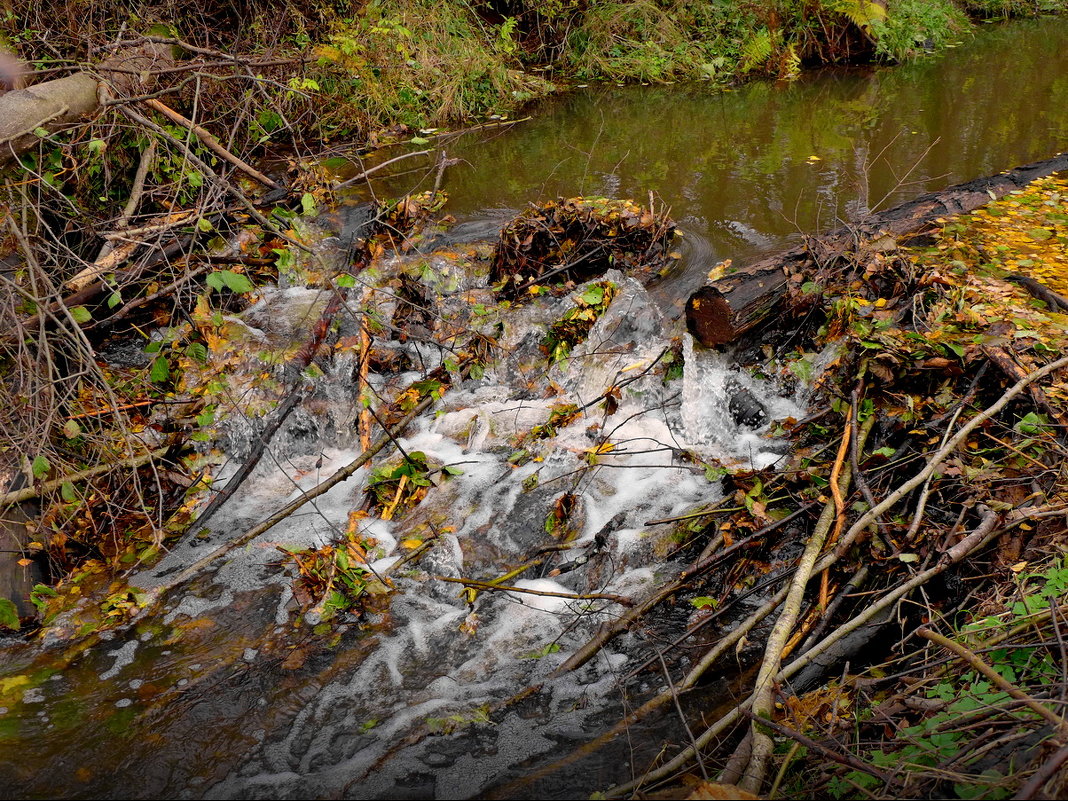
x=708 y=317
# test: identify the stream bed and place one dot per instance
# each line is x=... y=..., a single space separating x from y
x=224 y=694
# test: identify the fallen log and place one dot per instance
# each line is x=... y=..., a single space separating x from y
x=59 y=104
x=722 y=311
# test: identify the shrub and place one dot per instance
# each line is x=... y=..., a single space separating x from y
x=912 y=26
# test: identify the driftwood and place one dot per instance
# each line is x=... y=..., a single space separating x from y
x=721 y=312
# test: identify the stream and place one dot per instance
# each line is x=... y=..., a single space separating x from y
x=226 y=694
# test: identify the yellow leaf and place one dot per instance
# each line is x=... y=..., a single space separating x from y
x=12 y=683
x=411 y=544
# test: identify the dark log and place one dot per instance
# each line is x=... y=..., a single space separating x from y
x=1053 y=301
x=724 y=310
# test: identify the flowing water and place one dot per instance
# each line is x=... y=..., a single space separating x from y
x=225 y=694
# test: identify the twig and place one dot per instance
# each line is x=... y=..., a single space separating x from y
x=363 y=419
x=763 y=745
x=489 y=585
x=343 y=474
x=136 y=303
x=148 y=155
x=855 y=581
x=841 y=758
x=377 y=167
x=41 y=488
x=120 y=253
x=976 y=663
x=297 y=364
x=978 y=538
x=935 y=460
x=210 y=174
x=854 y=452
x=1042 y=775
x=211 y=143
x=982 y=534
x=839 y=501
x=682 y=715
x=609 y=632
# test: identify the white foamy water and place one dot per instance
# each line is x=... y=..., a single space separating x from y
x=441 y=663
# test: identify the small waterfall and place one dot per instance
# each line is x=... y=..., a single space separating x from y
x=726 y=412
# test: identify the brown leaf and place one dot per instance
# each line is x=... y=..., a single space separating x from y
x=713 y=791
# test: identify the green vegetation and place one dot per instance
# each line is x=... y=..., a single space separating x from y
x=401 y=66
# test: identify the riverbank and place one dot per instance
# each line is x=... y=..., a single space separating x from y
x=377 y=71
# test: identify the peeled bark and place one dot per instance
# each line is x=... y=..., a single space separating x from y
x=724 y=310
x=59 y=104
x=52 y=105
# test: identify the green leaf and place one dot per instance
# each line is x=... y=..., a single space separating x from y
x=40 y=466
x=71 y=429
x=551 y=648
x=593 y=296
x=204 y=225
x=161 y=369
x=114 y=299
x=307 y=204
x=345 y=280
x=197 y=351
x=419 y=140
x=885 y=451
x=81 y=314
x=66 y=490
x=704 y=602
x=40 y=132
x=802 y=369
x=9 y=614
x=236 y=282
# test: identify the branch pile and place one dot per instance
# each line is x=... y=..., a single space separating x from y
x=579 y=238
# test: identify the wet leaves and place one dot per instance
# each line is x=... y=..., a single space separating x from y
x=1026 y=231
x=573 y=328
x=579 y=238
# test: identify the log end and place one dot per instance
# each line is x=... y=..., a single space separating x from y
x=708 y=317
